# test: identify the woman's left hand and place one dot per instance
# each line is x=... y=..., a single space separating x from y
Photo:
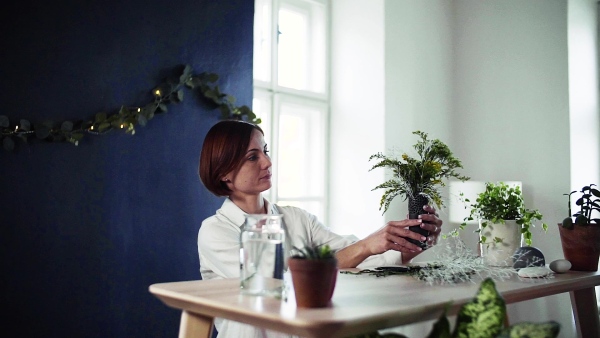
x=431 y=223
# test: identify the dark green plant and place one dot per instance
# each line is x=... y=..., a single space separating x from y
x=423 y=175
x=314 y=252
x=499 y=203
x=127 y=117
x=588 y=203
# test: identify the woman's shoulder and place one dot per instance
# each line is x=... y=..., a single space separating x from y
x=292 y=210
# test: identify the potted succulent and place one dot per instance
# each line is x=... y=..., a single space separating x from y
x=314 y=275
x=418 y=179
x=504 y=221
x=580 y=231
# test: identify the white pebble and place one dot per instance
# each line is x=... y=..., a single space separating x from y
x=560 y=265
x=534 y=272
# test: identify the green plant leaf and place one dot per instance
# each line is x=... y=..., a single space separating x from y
x=484 y=315
x=549 y=329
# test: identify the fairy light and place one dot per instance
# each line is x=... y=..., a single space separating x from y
x=104 y=126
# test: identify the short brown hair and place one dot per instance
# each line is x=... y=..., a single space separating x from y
x=223 y=150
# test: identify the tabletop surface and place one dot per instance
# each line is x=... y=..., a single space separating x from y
x=360 y=302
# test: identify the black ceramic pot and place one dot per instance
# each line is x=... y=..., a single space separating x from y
x=415 y=208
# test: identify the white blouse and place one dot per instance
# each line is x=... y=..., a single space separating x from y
x=219 y=251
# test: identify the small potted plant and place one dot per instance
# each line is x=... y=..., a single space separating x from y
x=504 y=221
x=580 y=231
x=314 y=275
x=418 y=179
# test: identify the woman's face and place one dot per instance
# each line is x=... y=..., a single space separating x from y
x=254 y=174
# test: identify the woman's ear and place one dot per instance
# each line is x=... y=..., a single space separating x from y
x=225 y=179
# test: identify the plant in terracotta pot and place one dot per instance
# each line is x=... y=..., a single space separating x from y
x=580 y=231
x=418 y=179
x=314 y=275
x=504 y=221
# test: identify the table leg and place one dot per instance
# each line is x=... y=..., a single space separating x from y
x=585 y=310
x=195 y=325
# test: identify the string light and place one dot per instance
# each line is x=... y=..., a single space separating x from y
x=204 y=82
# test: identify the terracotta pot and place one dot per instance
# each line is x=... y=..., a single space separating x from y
x=581 y=246
x=313 y=281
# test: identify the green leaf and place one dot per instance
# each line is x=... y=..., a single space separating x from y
x=441 y=328
x=549 y=329
x=42 y=131
x=100 y=117
x=186 y=74
x=103 y=126
x=484 y=315
x=25 y=125
x=142 y=120
x=66 y=126
x=179 y=96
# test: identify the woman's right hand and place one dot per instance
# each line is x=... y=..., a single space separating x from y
x=394 y=236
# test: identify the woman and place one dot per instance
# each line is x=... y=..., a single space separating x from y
x=234 y=163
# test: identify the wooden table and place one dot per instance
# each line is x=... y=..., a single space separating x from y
x=364 y=303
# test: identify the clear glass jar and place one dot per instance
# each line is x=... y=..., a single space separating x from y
x=261 y=255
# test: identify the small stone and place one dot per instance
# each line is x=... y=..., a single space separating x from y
x=534 y=272
x=560 y=266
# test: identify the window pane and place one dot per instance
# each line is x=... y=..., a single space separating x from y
x=301 y=45
x=262 y=40
x=301 y=156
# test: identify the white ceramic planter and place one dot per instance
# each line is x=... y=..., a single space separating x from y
x=500 y=254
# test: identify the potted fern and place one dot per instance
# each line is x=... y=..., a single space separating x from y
x=504 y=221
x=580 y=231
x=418 y=179
x=314 y=275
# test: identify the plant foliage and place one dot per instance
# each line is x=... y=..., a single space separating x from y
x=422 y=175
x=127 y=118
x=588 y=202
x=314 y=252
x=498 y=203
x=483 y=317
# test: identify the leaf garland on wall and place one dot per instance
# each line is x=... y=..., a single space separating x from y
x=127 y=118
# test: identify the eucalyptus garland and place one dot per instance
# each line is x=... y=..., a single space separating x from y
x=127 y=118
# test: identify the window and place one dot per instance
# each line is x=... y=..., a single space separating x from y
x=291 y=97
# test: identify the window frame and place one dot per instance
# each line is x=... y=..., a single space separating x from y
x=273 y=94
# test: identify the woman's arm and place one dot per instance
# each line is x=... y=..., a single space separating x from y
x=393 y=236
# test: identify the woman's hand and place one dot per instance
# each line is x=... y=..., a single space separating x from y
x=393 y=236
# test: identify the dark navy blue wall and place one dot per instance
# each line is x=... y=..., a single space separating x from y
x=84 y=230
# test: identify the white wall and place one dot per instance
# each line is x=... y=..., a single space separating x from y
x=491 y=79
x=357 y=115
x=511 y=115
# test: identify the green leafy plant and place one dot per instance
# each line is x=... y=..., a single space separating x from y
x=314 y=252
x=423 y=175
x=483 y=317
x=588 y=203
x=498 y=203
x=127 y=117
